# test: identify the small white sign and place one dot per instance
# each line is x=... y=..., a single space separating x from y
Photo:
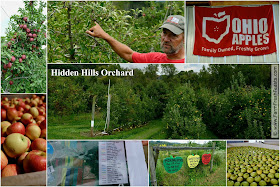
x=175 y=20
x=112 y=163
x=92 y=123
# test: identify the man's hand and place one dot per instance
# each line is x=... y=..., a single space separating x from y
x=97 y=31
x=121 y=49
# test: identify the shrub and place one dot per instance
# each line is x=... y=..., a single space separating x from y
x=125 y=106
x=183 y=119
x=238 y=112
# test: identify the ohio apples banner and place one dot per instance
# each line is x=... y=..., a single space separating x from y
x=234 y=30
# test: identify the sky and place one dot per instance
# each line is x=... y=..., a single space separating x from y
x=9 y=8
x=179 y=67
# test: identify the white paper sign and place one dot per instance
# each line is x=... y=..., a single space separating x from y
x=137 y=167
x=112 y=163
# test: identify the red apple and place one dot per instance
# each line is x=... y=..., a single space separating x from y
x=3 y=114
x=4 y=160
x=35 y=161
x=20 y=113
x=30 y=35
x=2 y=140
x=24 y=26
x=17 y=127
x=15 y=144
x=34 y=35
x=34 y=112
x=40 y=118
x=5 y=105
x=26 y=118
x=9 y=65
x=20 y=60
x=43 y=133
x=4 y=126
x=42 y=111
x=43 y=124
x=11 y=170
x=13 y=59
x=23 y=57
x=20 y=109
x=33 y=131
x=12 y=114
x=25 y=19
x=39 y=144
x=29 y=143
x=28 y=30
x=31 y=39
x=27 y=107
x=21 y=158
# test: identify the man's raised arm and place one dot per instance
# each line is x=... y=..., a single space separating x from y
x=121 y=49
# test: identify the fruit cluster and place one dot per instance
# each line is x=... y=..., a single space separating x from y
x=252 y=166
x=23 y=135
x=26 y=42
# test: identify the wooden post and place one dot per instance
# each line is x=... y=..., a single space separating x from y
x=92 y=114
x=212 y=158
x=152 y=167
x=156 y=156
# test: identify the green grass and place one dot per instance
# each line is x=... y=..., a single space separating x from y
x=78 y=127
x=199 y=176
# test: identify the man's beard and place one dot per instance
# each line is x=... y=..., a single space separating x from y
x=172 y=49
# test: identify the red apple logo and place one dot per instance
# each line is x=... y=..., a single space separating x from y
x=206 y=159
x=215 y=28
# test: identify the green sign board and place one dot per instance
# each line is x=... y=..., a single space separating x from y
x=172 y=165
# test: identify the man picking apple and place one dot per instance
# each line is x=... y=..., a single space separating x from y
x=172 y=43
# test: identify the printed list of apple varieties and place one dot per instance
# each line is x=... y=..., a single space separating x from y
x=112 y=163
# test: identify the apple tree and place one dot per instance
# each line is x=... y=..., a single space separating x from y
x=23 y=58
x=135 y=27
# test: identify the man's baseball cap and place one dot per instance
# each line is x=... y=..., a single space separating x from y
x=174 y=23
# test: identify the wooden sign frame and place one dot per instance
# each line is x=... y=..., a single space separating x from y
x=154 y=153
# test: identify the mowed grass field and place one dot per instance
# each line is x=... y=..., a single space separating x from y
x=78 y=127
